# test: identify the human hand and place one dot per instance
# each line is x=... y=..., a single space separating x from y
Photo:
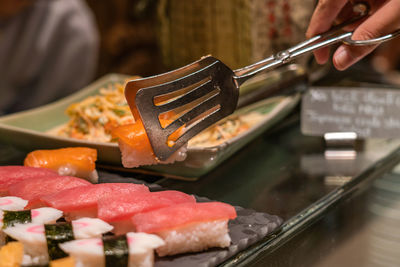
x=384 y=19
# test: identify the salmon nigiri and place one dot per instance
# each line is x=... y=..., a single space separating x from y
x=135 y=145
x=188 y=227
x=71 y=161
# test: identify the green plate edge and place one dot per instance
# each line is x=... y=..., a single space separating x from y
x=26 y=131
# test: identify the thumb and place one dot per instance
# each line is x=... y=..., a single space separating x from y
x=383 y=21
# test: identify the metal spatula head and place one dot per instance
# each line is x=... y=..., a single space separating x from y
x=191 y=98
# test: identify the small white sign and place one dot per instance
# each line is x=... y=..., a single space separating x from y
x=371 y=112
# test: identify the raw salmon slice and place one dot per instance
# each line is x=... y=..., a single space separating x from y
x=14 y=174
x=135 y=145
x=182 y=214
x=71 y=161
x=33 y=189
x=82 y=201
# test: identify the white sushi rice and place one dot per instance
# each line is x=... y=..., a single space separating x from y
x=71 y=170
x=132 y=158
x=89 y=252
x=194 y=237
x=32 y=235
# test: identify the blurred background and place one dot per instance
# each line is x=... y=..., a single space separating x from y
x=51 y=48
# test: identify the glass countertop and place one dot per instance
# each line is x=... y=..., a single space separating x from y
x=290 y=175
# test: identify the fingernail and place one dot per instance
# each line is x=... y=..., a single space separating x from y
x=341 y=58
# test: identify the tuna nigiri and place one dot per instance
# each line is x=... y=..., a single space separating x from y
x=81 y=201
x=73 y=161
x=138 y=250
x=41 y=240
x=117 y=210
x=33 y=189
x=13 y=174
x=136 y=149
x=188 y=227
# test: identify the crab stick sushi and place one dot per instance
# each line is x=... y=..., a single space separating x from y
x=9 y=204
x=136 y=149
x=35 y=188
x=13 y=174
x=10 y=218
x=12 y=203
x=41 y=241
x=71 y=161
x=132 y=249
x=82 y=201
x=118 y=210
x=188 y=227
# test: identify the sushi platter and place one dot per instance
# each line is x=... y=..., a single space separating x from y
x=49 y=218
x=29 y=130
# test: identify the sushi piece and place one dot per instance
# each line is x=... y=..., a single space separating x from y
x=136 y=149
x=132 y=249
x=118 y=210
x=41 y=241
x=63 y=262
x=12 y=203
x=13 y=174
x=10 y=218
x=40 y=215
x=33 y=189
x=188 y=227
x=71 y=161
x=81 y=201
x=11 y=254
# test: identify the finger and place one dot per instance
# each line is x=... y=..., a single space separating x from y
x=325 y=13
x=383 y=21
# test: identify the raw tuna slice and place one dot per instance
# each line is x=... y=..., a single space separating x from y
x=81 y=201
x=13 y=174
x=188 y=227
x=118 y=210
x=33 y=189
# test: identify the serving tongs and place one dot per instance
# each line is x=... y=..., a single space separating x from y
x=197 y=95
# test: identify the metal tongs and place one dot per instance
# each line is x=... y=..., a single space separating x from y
x=197 y=95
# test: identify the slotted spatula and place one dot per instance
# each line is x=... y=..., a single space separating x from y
x=202 y=93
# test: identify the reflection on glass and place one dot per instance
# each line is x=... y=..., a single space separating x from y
x=384 y=239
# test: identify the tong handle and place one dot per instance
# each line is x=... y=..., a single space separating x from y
x=328 y=38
